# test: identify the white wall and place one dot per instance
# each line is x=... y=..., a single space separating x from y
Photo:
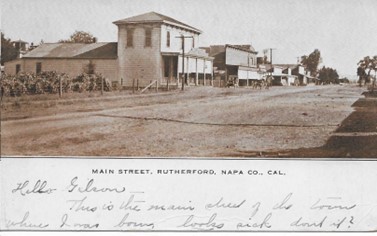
x=175 y=42
x=239 y=58
x=190 y=65
x=245 y=74
x=301 y=70
x=278 y=71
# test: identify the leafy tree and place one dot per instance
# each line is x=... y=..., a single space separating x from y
x=311 y=62
x=8 y=51
x=328 y=75
x=369 y=64
x=80 y=37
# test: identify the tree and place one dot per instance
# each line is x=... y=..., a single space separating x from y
x=311 y=62
x=368 y=64
x=8 y=51
x=328 y=75
x=80 y=37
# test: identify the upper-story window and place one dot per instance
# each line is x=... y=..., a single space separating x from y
x=148 y=37
x=130 y=37
x=193 y=42
x=168 y=39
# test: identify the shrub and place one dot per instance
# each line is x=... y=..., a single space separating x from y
x=48 y=82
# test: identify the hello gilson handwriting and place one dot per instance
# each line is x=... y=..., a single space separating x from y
x=88 y=204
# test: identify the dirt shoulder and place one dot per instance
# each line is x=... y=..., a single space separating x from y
x=29 y=106
x=199 y=122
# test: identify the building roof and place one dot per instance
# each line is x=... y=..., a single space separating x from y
x=74 y=50
x=244 y=47
x=292 y=66
x=20 y=41
x=199 y=52
x=216 y=49
x=154 y=17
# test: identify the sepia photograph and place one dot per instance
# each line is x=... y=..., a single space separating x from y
x=189 y=78
x=188 y=115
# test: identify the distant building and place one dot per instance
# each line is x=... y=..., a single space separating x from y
x=286 y=74
x=235 y=61
x=21 y=47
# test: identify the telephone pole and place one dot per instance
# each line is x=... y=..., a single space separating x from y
x=183 y=59
x=271 y=54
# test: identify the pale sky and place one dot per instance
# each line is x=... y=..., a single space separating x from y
x=343 y=30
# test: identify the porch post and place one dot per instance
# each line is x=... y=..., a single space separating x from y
x=212 y=77
x=178 y=72
x=204 y=72
x=187 y=72
x=171 y=68
x=196 y=72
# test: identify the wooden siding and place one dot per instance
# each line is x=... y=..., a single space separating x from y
x=73 y=67
x=175 y=42
x=239 y=57
x=139 y=62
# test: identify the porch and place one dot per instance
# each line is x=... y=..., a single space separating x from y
x=195 y=70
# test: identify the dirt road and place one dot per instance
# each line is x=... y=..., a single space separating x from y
x=201 y=122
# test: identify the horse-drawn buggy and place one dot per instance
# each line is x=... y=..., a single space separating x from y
x=264 y=83
x=232 y=81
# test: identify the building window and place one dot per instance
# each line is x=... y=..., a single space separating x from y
x=38 y=67
x=168 y=39
x=90 y=68
x=18 y=68
x=130 y=37
x=193 y=43
x=148 y=37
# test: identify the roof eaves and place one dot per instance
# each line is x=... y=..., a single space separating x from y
x=124 y=22
x=183 y=26
x=74 y=57
x=240 y=48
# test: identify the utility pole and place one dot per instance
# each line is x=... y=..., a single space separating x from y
x=271 y=54
x=265 y=50
x=183 y=59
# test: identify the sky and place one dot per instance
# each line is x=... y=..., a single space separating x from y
x=344 y=31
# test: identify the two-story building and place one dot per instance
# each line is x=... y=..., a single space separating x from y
x=150 y=47
x=235 y=61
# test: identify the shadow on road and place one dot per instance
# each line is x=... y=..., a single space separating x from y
x=356 y=137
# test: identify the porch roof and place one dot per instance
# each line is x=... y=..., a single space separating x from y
x=248 y=68
x=193 y=53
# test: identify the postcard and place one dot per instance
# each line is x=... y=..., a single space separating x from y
x=188 y=195
x=188 y=116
